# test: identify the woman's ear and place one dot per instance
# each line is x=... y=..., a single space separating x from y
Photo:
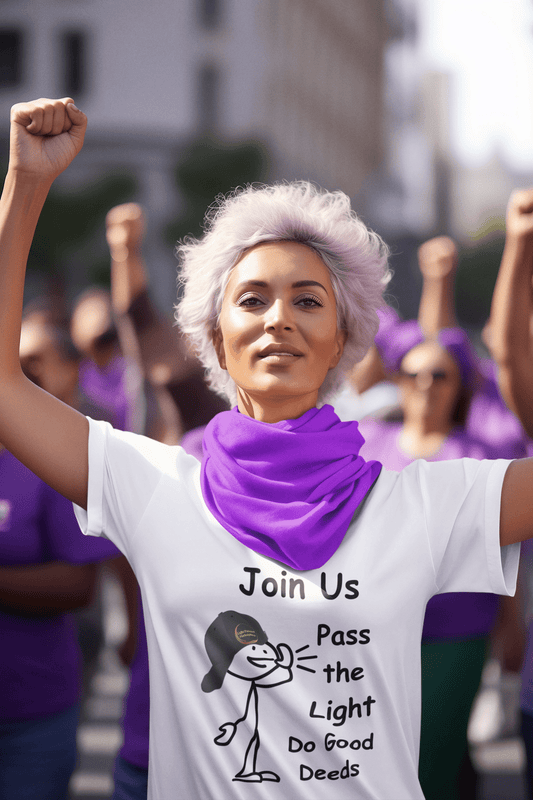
x=218 y=344
x=342 y=335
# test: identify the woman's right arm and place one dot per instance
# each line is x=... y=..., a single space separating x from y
x=437 y=259
x=48 y=436
x=510 y=337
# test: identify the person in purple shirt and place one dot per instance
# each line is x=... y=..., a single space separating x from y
x=47 y=570
x=436 y=378
x=180 y=401
x=105 y=375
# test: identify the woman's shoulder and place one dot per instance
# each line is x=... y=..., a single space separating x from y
x=449 y=475
x=132 y=451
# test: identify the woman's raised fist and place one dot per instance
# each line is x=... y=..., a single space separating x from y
x=46 y=135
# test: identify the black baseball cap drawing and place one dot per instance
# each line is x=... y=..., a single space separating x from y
x=229 y=633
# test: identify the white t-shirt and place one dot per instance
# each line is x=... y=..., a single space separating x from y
x=318 y=691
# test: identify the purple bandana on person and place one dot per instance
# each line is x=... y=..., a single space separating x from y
x=289 y=489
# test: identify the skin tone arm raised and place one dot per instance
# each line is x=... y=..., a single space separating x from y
x=437 y=259
x=175 y=374
x=511 y=312
x=45 y=434
x=510 y=343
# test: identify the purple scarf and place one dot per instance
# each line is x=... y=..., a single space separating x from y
x=289 y=489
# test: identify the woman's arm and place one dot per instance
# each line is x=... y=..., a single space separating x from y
x=46 y=435
x=510 y=337
x=368 y=372
x=173 y=371
x=43 y=589
x=516 y=514
x=437 y=259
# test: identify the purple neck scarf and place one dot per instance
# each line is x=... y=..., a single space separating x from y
x=289 y=489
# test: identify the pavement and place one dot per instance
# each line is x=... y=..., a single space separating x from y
x=497 y=752
x=100 y=732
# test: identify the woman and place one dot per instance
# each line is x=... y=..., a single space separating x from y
x=284 y=587
x=436 y=379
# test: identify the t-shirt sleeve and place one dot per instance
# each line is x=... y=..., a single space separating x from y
x=124 y=472
x=461 y=501
x=62 y=537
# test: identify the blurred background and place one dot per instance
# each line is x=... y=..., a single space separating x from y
x=421 y=110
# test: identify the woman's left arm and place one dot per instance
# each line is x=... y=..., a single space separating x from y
x=516 y=514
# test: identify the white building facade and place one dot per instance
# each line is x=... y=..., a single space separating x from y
x=304 y=77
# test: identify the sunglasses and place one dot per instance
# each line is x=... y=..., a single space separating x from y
x=437 y=375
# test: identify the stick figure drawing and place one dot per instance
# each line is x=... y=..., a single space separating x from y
x=237 y=645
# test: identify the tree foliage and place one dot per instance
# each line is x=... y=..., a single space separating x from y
x=208 y=168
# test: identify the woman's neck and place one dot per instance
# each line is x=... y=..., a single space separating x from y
x=423 y=438
x=275 y=409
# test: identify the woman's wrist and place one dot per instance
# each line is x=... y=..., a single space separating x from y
x=519 y=249
x=27 y=183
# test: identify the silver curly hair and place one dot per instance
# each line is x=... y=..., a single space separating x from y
x=356 y=257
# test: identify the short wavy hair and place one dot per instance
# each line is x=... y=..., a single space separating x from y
x=356 y=257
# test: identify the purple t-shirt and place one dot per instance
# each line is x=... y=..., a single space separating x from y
x=136 y=722
x=107 y=388
x=489 y=419
x=39 y=656
x=459 y=615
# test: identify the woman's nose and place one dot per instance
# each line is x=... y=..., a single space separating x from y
x=424 y=380
x=279 y=315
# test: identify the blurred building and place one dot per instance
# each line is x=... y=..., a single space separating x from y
x=304 y=77
x=401 y=195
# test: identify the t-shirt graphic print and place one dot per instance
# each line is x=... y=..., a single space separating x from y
x=238 y=647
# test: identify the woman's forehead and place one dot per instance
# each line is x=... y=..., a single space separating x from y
x=428 y=356
x=280 y=261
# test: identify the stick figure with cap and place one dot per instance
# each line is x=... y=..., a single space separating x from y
x=237 y=645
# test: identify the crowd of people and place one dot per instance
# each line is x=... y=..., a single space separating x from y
x=420 y=554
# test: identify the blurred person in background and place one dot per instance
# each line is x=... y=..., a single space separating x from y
x=435 y=382
x=182 y=401
x=370 y=388
x=106 y=376
x=52 y=361
x=438 y=375
x=166 y=360
x=46 y=572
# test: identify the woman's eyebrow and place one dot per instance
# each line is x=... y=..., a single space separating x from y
x=264 y=285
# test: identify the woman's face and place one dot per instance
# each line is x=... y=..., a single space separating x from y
x=277 y=333
x=429 y=384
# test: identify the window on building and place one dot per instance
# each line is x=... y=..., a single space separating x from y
x=208 y=97
x=74 y=63
x=11 y=42
x=210 y=13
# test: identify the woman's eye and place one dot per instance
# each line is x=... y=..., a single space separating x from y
x=310 y=301
x=249 y=301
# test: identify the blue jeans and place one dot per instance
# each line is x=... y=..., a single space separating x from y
x=38 y=756
x=131 y=782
